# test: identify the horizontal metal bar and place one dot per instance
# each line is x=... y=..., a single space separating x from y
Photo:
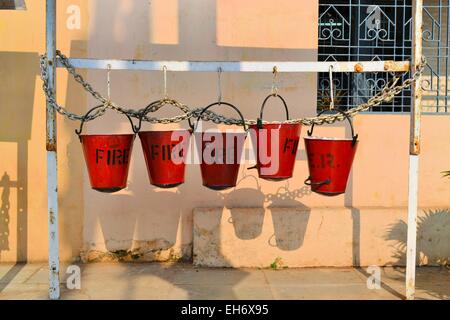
x=241 y=66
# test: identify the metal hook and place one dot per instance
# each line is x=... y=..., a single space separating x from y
x=274 y=84
x=219 y=84
x=330 y=71
x=165 y=81
x=108 y=82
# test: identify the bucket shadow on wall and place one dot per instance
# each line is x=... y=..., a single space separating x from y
x=290 y=218
x=247 y=224
x=290 y=227
x=433 y=249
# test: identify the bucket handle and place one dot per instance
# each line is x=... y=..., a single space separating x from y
x=245 y=176
x=354 y=136
x=165 y=102
x=226 y=104
x=308 y=182
x=276 y=95
x=83 y=120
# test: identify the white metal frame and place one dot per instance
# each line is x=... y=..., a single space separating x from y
x=414 y=152
x=241 y=66
x=231 y=66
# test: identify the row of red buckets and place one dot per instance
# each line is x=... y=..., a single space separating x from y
x=329 y=159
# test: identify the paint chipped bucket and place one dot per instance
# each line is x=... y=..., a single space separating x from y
x=107 y=157
x=220 y=153
x=165 y=152
x=275 y=146
x=330 y=161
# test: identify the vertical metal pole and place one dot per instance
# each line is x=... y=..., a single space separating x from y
x=413 y=190
x=52 y=173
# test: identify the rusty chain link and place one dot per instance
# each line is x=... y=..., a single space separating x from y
x=385 y=95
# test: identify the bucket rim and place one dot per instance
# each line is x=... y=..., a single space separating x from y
x=107 y=135
x=327 y=138
x=276 y=124
x=221 y=132
x=163 y=131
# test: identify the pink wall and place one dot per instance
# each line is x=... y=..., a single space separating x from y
x=160 y=221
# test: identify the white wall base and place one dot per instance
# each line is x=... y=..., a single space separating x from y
x=303 y=237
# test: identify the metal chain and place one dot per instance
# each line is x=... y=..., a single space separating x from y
x=385 y=95
x=49 y=94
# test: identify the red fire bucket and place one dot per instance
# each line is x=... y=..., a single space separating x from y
x=165 y=152
x=330 y=161
x=220 y=153
x=107 y=157
x=275 y=146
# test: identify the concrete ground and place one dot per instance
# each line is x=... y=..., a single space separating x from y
x=183 y=281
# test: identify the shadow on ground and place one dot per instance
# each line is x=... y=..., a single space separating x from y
x=433 y=237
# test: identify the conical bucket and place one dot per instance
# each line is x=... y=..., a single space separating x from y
x=275 y=146
x=107 y=158
x=165 y=154
x=330 y=161
x=220 y=154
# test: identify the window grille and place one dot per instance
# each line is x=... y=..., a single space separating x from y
x=366 y=30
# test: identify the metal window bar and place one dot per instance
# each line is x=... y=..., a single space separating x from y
x=436 y=41
x=370 y=30
x=239 y=66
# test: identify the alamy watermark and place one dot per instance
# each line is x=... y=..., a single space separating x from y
x=374 y=280
x=73 y=281
x=73 y=21
x=228 y=147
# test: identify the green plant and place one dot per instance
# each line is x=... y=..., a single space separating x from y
x=277 y=263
